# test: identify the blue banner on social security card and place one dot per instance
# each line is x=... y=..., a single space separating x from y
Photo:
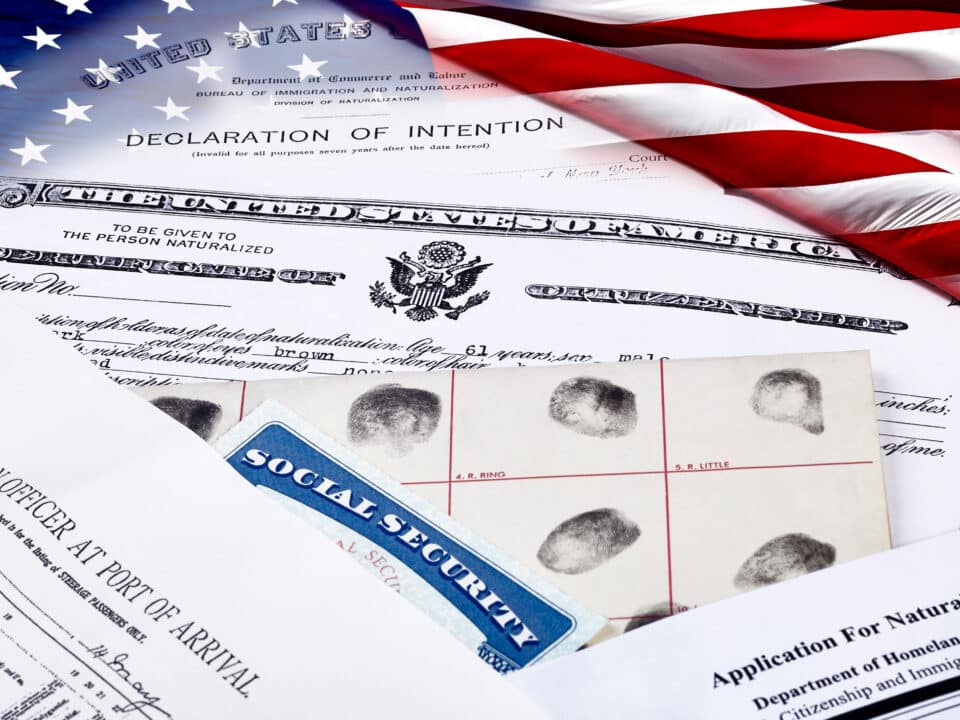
x=519 y=624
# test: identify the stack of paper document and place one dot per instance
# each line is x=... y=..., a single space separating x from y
x=141 y=576
x=361 y=364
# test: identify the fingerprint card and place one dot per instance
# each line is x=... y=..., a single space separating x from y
x=641 y=489
x=209 y=413
x=392 y=425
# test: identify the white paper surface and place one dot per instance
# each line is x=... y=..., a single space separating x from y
x=193 y=597
x=876 y=638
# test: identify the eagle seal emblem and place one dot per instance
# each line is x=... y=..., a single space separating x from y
x=430 y=282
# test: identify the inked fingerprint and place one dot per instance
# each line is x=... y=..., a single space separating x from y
x=594 y=407
x=393 y=416
x=645 y=616
x=588 y=540
x=790 y=396
x=782 y=558
x=199 y=415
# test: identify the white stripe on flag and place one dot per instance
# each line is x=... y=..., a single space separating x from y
x=892 y=202
x=619 y=12
x=442 y=28
x=666 y=110
x=933 y=55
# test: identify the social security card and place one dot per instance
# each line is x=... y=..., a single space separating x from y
x=508 y=615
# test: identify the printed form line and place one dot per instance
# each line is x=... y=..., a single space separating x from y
x=163 y=302
x=135 y=706
x=666 y=483
x=173 y=375
x=901 y=422
x=922 y=397
x=911 y=437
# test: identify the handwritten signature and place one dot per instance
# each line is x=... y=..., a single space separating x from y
x=117 y=663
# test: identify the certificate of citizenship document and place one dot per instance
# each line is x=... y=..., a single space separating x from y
x=164 y=285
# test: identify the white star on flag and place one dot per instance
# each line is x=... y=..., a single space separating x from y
x=308 y=68
x=175 y=5
x=107 y=72
x=277 y=2
x=173 y=110
x=43 y=39
x=205 y=71
x=143 y=38
x=243 y=33
x=7 y=76
x=75 y=5
x=29 y=152
x=74 y=112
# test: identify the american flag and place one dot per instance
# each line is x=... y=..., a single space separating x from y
x=841 y=113
x=79 y=75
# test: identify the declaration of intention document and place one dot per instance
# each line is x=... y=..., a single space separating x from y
x=142 y=577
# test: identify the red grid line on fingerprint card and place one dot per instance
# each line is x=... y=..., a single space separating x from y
x=532 y=477
x=243 y=396
x=666 y=484
x=453 y=381
x=632 y=473
x=776 y=467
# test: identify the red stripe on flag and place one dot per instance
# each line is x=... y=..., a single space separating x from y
x=785 y=158
x=881 y=106
x=543 y=65
x=807 y=26
x=929 y=251
x=538 y=65
x=733 y=145
x=946 y=6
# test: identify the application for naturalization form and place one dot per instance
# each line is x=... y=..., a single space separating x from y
x=876 y=639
